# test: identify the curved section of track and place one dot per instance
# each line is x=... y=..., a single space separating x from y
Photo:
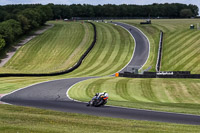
x=52 y=95
x=142 y=47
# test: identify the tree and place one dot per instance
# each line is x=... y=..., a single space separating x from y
x=10 y=30
x=33 y=17
x=194 y=9
x=186 y=13
x=2 y=42
x=24 y=22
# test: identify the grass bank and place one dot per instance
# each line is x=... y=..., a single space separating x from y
x=172 y=95
x=112 y=51
x=23 y=119
x=56 y=49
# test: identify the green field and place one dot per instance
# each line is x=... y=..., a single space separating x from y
x=59 y=48
x=180 y=44
x=172 y=95
x=15 y=119
x=112 y=51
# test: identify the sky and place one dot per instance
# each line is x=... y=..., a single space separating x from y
x=96 y=2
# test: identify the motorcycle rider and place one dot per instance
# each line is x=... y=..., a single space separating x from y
x=104 y=96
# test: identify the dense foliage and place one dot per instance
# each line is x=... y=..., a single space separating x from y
x=16 y=20
x=109 y=10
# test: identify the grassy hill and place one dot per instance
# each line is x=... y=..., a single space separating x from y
x=112 y=51
x=173 y=95
x=58 y=48
x=180 y=44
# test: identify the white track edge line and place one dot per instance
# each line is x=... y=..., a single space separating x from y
x=38 y=84
x=147 y=40
x=67 y=94
x=133 y=51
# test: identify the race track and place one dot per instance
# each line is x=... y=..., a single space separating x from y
x=52 y=95
x=142 y=48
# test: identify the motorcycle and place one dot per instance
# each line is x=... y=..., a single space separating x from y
x=98 y=101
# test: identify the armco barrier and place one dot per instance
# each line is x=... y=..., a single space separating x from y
x=61 y=72
x=159 y=52
x=155 y=75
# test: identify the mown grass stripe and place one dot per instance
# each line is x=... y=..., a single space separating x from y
x=190 y=57
x=98 y=53
x=111 y=53
x=193 y=90
x=134 y=88
x=167 y=89
x=161 y=27
x=118 y=47
x=56 y=52
x=159 y=90
x=179 y=43
x=185 y=54
x=147 y=90
x=108 y=52
x=122 y=90
x=171 y=35
x=182 y=56
x=182 y=45
x=186 y=93
x=178 y=38
x=194 y=65
x=178 y=52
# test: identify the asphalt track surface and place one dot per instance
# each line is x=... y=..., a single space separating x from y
x=53 y=95
x=142 y=48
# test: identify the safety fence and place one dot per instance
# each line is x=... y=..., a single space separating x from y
x=173 y=74
x=158 y=64
x=60 y=72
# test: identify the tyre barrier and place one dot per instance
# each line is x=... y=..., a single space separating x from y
x=173 y=74
x=159 y=52
x=61 y=72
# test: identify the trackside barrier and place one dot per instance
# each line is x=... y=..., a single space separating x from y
x=159 y=52
x=175 y=74
x=61 y=72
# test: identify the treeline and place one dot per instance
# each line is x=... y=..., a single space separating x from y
x=16 y=20
x=175 y=10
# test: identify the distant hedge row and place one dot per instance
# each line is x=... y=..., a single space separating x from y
x=175 y=10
